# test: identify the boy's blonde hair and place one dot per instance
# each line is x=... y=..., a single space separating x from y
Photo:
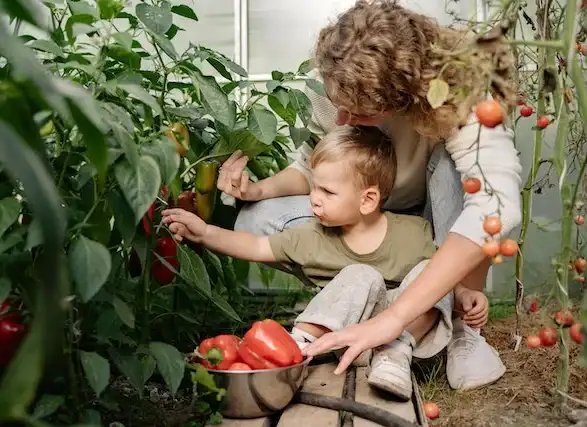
x=379 y=56
x=368 y=150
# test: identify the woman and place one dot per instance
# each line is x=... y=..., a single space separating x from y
x=376 y=62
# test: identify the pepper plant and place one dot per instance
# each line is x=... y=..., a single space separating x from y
x=103 y=124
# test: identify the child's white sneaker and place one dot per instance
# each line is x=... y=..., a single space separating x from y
x=390 y=368
x=302 y=338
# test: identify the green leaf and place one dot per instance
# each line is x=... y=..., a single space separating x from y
x=35 y=235
x=110 y=8
x=316 y=86
x=437 y=94
x=123 y=216
x=193 y=269
x=220 y=68
x=214 y=100
x=140 y=186
x=306 y=66
x=9 y=212
x=185 y=11
x=47 y=46
x=5 y=288
x=156 y=19
x=97 y=371
x=302 y=105
x=299 y=135
x=137 y=368
x=272 y=85
x=277 y=75
x=124 y=312
x=124 y=56
x=242 y=140
x=170 y=363
x=27 y=10
x=202 y=377
x=287 y=113
x=142 y=95
x=165 y=154
x=263 y=124
x=47 y=405
x=89 y=263
x=82 y=8
x=124 y=39
x=78 y=24
x=166 y=45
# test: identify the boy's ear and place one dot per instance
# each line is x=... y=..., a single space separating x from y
x=370 y=200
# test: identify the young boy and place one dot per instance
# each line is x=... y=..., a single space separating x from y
x=352 y=249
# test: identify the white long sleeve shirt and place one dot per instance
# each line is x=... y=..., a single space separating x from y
x=495 y=154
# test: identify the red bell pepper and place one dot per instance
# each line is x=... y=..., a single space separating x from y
x=166 y=249
x=12 y=332
x=267 y=345
x=147 y=219
x=239 y=366
x=220 y=352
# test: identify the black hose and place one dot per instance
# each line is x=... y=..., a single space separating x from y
x=368 y=412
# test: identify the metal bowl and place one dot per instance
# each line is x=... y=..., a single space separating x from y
x=252 y=394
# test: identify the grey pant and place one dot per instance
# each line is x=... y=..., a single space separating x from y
x=358 y=293
x=444 y=203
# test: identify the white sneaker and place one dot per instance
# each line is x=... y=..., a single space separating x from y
x=471 y=362
x=390 y=368
x=302 y=338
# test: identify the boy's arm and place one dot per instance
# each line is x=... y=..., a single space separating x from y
x=238 y=244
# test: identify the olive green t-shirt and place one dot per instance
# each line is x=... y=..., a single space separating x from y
x=321 y=253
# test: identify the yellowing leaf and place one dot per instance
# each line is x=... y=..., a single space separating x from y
x=437 y=93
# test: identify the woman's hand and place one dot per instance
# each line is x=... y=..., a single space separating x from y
x=233 y=179
x=377 y=331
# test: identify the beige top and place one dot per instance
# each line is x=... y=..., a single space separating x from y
x=322 y=253
x=495 y=153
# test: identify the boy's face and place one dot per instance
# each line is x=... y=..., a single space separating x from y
x=336 y=198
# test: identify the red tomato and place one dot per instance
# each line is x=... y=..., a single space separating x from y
x=542 y=122
x=431 y=410
x=580 y=264
x=548 y=336
x=471 y=185
x=526 y=111
x=508 y=247
x=492 y=225
x=577 y=333
x=489 y=113
x=534 y=305
x=491 y=248
x=533 y=341
x=579 y=220
x=564 y=318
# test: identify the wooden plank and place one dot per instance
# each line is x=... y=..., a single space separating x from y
x=321 y=380
x=253 y=422
x=366 y=394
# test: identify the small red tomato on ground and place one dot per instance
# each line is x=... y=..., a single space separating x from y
x=240 y=366
x=492 y=225
x=542 y=122
x=471 y=185
x=580 y=264
x=489 y=113
x=548 y=336
x=508 y=247
x=491 y=248
x=167 y=249
x=577 y=333
x=533 y=341
x=431 y=410
x=564 y=318
x=526 y=111
x=579 y=220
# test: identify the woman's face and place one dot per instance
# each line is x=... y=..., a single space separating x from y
x=345 y=116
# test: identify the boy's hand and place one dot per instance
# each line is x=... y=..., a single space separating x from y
x=474 y=305
x=184 y=224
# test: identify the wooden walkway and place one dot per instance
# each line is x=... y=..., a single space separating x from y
x=322 y=381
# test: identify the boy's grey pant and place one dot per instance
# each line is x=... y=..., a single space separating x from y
x=443 y=206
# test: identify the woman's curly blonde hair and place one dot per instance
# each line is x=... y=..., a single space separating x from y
x=380 y=56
